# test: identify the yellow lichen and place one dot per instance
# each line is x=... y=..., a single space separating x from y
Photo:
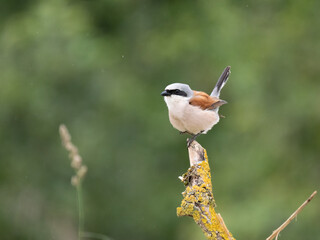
x=199 y=203
x=196 y=216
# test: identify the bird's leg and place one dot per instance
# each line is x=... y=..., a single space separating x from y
x=194 y=136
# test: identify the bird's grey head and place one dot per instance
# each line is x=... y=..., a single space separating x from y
x=178 y=89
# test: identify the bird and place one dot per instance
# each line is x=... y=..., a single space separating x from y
x=194 y=112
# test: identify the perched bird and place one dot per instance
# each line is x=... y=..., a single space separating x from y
x=194 y=112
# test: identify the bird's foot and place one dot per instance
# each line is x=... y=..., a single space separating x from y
x=190 y=140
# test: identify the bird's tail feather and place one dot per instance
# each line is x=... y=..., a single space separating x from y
x=221 y=82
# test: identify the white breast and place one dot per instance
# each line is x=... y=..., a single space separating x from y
x=176 y=106
x=186 y=117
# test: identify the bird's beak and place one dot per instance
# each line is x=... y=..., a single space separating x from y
x=165 y=93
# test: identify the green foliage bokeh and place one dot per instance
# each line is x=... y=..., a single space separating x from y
x=99 y=67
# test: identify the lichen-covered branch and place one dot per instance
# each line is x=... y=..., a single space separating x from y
x=198 y=201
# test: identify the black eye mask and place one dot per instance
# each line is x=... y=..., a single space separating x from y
x=177 y=92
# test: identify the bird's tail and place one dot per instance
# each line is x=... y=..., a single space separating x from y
x=221 y=82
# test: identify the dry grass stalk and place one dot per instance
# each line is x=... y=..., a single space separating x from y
x=276 y=232
x=76 y=160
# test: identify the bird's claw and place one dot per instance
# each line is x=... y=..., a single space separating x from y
x=189 y=142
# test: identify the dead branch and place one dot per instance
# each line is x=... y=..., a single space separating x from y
x=276 y=232
x=198 y=201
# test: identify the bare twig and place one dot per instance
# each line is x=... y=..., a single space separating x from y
x=276 y=232
x=224 y=226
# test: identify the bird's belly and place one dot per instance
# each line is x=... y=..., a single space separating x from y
x=196 y=120
x=177 y=123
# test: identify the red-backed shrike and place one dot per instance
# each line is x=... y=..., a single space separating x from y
x=194 y=112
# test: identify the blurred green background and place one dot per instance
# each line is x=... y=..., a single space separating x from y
x=99 y=66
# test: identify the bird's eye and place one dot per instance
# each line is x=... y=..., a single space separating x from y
x=176 y=92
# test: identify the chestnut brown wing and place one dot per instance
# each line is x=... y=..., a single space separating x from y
x=203 y=100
